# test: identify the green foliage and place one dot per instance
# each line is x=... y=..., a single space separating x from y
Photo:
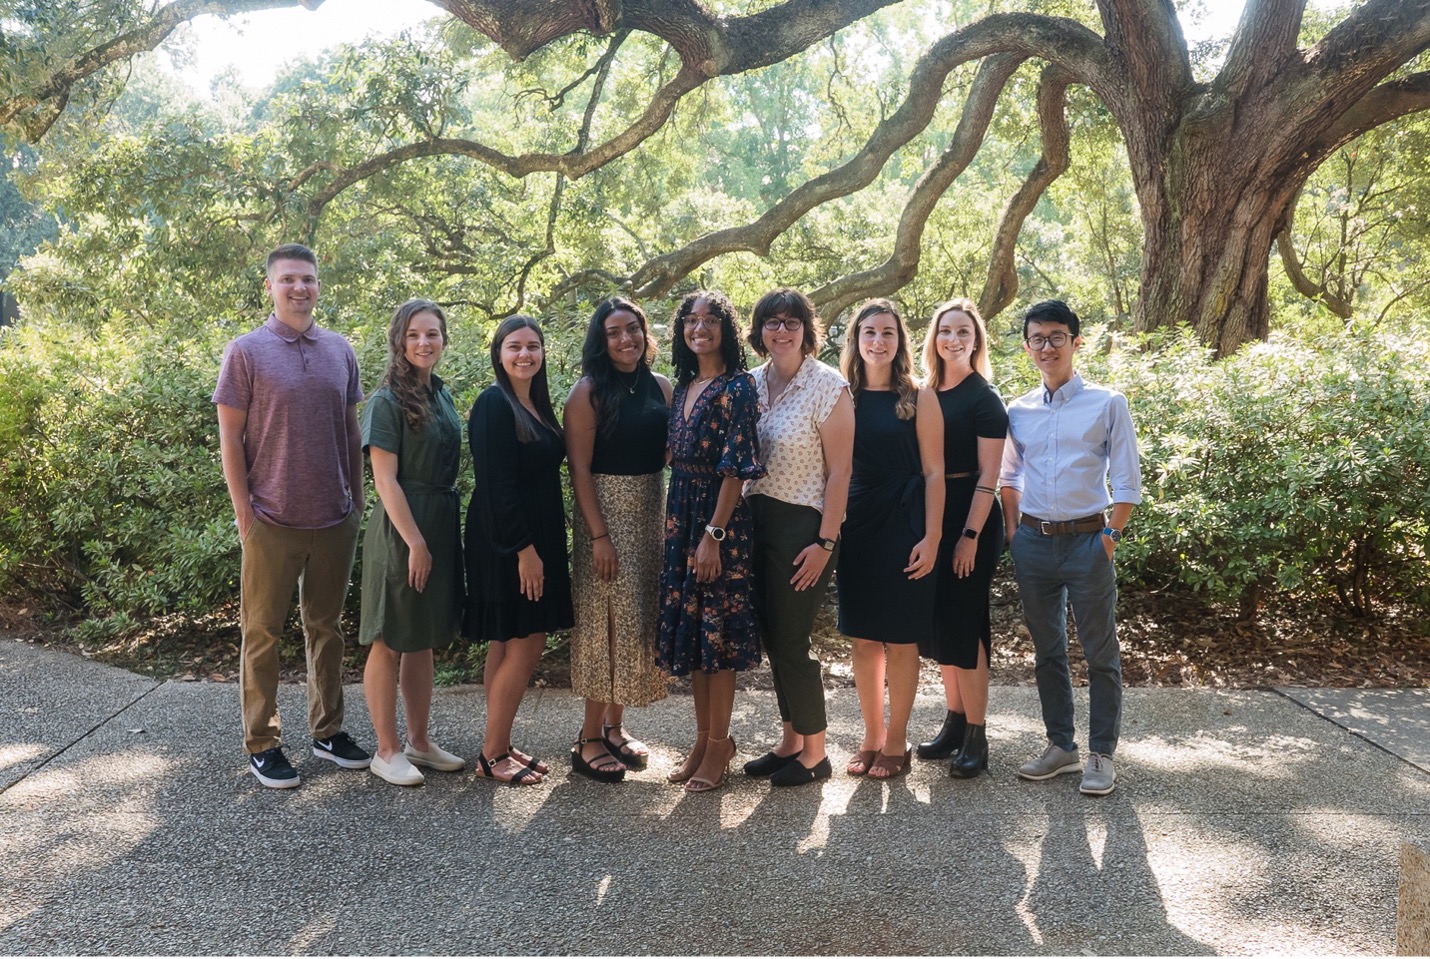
x=1294 y=467
x=111 y=499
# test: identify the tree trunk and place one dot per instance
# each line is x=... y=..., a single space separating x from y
x=1209 y=267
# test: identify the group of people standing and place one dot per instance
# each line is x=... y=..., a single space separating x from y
x=778 y=476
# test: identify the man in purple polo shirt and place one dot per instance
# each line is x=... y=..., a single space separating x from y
x=292 y=458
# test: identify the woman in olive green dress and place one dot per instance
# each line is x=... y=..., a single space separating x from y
x=412 y=560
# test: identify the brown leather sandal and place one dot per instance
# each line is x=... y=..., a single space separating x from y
x=888 y=767
x=862 y=762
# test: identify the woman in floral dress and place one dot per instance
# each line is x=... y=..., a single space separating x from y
x=707 y=623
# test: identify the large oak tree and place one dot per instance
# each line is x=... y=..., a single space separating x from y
x=1217 y=164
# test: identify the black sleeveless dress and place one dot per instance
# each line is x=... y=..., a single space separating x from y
x=971 y=410
x=884 y=520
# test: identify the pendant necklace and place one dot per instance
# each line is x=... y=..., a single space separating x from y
x=631 y=386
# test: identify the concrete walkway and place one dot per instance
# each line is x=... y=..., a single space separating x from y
x=1244 y=822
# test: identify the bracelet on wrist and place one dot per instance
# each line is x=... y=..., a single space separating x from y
x=604 y=535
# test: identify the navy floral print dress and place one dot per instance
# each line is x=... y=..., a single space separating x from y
x=709 y=626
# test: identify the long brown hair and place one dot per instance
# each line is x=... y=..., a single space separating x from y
x=933 y=363
x=901 y=377
x=399 y=376
x=528 y=427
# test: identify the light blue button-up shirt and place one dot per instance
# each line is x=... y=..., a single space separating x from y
x=1065 y=447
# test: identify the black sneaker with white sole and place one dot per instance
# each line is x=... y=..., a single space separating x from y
x=273 y=769
x=342 y=750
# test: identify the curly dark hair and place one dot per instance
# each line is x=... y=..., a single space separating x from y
x=528 y=427
x=685 y=362
x=399 y=376
x=596 y=360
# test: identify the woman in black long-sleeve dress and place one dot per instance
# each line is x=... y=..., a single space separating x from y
x=518 y=580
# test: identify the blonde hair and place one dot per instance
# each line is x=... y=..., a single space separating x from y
x=933 y=363
x=851 y=364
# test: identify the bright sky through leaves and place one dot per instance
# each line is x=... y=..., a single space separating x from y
x=259 y=44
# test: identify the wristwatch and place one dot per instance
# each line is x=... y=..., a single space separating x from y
x=826 y=544
x=716 y=533
x=1113 y=534
x=970 y=533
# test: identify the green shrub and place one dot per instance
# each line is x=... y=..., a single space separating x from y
x=1295 y=466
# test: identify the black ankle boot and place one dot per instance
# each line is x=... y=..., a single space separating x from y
x=948 y=739
x=972 y=759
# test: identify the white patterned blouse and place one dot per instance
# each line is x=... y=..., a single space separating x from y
x=790 y=446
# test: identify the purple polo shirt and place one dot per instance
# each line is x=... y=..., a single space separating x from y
x=296 y=388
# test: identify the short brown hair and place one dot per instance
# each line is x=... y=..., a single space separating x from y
x=796 y=306
x=291 y=251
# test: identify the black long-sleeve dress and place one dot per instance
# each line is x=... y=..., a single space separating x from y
x=517 y=503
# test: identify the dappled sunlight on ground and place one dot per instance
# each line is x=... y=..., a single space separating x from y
x=1202 y=752
x=13 y=754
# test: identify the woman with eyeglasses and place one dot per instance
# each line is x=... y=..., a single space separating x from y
x=616 y=420
x=975 y=423
x=891 y=533
x=707 y=620
x=807 y=445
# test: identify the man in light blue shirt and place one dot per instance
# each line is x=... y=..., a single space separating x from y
x=1068 y=440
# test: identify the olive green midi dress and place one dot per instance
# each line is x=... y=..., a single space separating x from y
x=406 y=620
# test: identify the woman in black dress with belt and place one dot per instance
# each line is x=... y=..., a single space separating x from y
x=891 y=531
x=518 y=581
x=975 y=423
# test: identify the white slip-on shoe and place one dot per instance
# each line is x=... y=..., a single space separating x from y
x=434 y=757
x=397 y=771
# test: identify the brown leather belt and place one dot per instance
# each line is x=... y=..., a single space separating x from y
x=1088 y=524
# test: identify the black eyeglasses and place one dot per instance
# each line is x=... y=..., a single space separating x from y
x=793 y=326
x=1056 y=340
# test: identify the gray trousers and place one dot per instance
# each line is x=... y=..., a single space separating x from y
x=1051 y=571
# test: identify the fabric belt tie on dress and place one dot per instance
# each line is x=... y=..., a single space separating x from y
x=412 y=488
x=967 y=475
x=1088 y=524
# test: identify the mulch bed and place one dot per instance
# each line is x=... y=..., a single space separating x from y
x=1168 y=640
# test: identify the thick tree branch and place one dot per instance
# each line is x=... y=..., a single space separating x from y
x=1021 y=34
x=903 y=263
x=1264 y=41
x=1303 y=283
x=1367 y=46
x=48 y=96
x=1002 y=284
x=713 y=45
x=1389 y=101
x=1148 y=36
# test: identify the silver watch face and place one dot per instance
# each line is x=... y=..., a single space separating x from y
x=716 y=533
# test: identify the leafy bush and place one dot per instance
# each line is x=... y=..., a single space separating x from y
x=1295 y=466
x=111 y=498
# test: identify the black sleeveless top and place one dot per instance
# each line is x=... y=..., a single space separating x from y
x=637 y=445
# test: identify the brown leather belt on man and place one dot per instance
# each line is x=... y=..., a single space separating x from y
x=1088 y=524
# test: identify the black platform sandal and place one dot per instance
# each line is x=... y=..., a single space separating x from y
x=592 y=769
